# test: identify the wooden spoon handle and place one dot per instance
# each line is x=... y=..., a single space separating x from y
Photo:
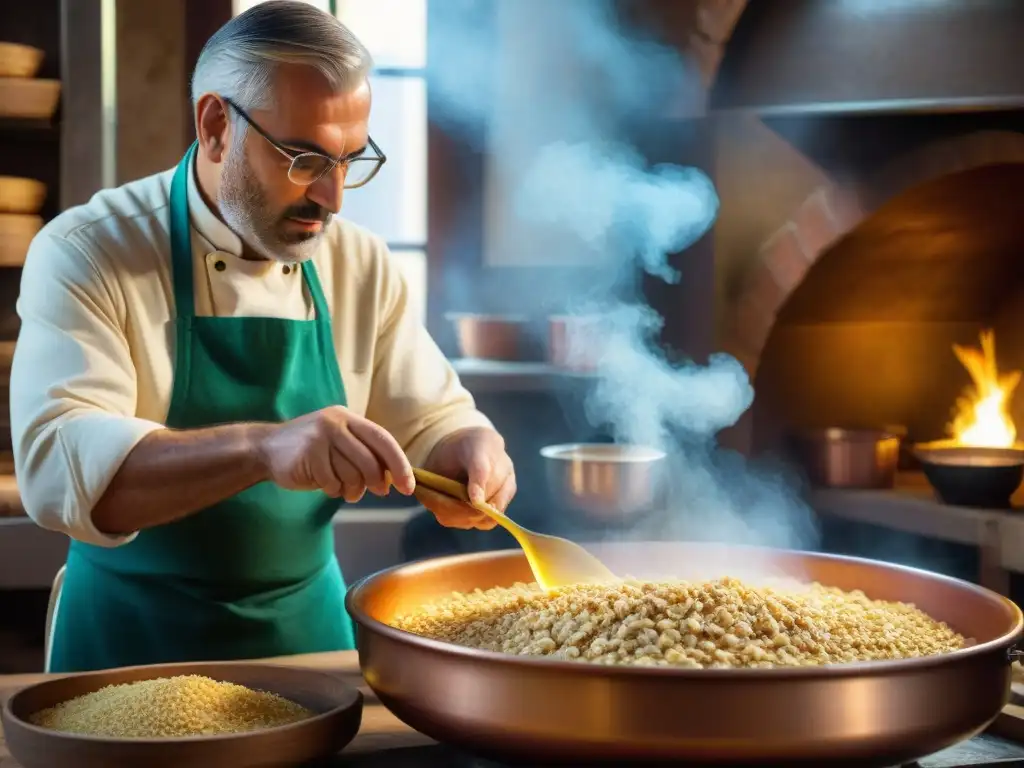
x=457 y=490
x=440 y=484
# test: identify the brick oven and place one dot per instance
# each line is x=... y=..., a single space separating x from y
x=869 y=157
x=907 y=120
x=853 y=304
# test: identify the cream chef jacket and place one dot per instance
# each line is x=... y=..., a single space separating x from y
x=92 y=372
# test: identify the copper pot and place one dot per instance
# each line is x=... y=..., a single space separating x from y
x=847 y=458
x=575 y=342
x=536 y=709
x=489 y=337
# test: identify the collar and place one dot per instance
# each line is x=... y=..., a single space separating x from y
x=206 y=222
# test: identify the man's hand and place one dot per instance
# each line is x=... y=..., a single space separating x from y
x=475 y=456
x=335 y=451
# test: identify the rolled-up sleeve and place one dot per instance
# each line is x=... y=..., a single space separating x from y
x=72 y=391
x=415 y=393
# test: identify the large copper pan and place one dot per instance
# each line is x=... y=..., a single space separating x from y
x=878 y=713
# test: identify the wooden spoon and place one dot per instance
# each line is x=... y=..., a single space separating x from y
x=555 y=562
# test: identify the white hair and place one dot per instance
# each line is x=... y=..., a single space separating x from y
x=239 y=61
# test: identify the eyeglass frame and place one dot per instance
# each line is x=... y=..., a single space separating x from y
x=294 y=155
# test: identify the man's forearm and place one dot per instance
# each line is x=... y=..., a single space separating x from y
x=171 y=474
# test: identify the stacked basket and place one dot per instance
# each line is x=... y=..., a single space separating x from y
x=22 y=96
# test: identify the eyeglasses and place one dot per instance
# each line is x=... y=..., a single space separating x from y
x=308 y=167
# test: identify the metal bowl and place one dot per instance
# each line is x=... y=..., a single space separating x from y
x=605 y=483
x=972 y=477
x=528 y=708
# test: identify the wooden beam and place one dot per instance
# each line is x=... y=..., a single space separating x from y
x=455 y=189
x=202 y=19
x=82 y=121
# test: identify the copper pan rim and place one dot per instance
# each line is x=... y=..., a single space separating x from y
x=1007 y=640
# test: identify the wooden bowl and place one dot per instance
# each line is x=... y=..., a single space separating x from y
x=28 y=98
x=18 y=195
x=6 y=357
x=16 y=233
x=339 y=708
x=17 y=60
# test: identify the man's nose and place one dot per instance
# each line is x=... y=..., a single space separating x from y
x=328 y=190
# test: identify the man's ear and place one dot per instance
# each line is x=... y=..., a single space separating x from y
x=212 y=126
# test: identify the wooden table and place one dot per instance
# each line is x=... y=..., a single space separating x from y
x=380 y=730
x=383 y=731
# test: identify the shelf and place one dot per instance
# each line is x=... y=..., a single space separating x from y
x=485 y=376
x=912 y=508
x=909 y=512
x=28 y=128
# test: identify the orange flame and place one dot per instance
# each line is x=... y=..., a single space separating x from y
x=981 y=417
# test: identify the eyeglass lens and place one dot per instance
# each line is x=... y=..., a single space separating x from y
x=308 y=167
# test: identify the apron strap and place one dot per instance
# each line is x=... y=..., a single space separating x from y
x=316 y=291
x=181 y=249
x=181 y=238
x=323 y=325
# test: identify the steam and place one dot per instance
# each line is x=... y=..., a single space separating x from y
x=559 y=130
x=607 y=198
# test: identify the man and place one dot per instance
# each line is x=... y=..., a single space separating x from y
x=208 y=358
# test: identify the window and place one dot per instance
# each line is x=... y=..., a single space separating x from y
x=241 y=6
x=395 y=31
x=394 y=204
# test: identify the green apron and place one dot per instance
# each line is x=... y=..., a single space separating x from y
x=253 y=576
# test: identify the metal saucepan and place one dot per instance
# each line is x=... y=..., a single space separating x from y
x=502 y=706
x=605 y=483
x=847 y=458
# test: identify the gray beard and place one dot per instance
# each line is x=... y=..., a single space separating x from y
x=244 y=209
